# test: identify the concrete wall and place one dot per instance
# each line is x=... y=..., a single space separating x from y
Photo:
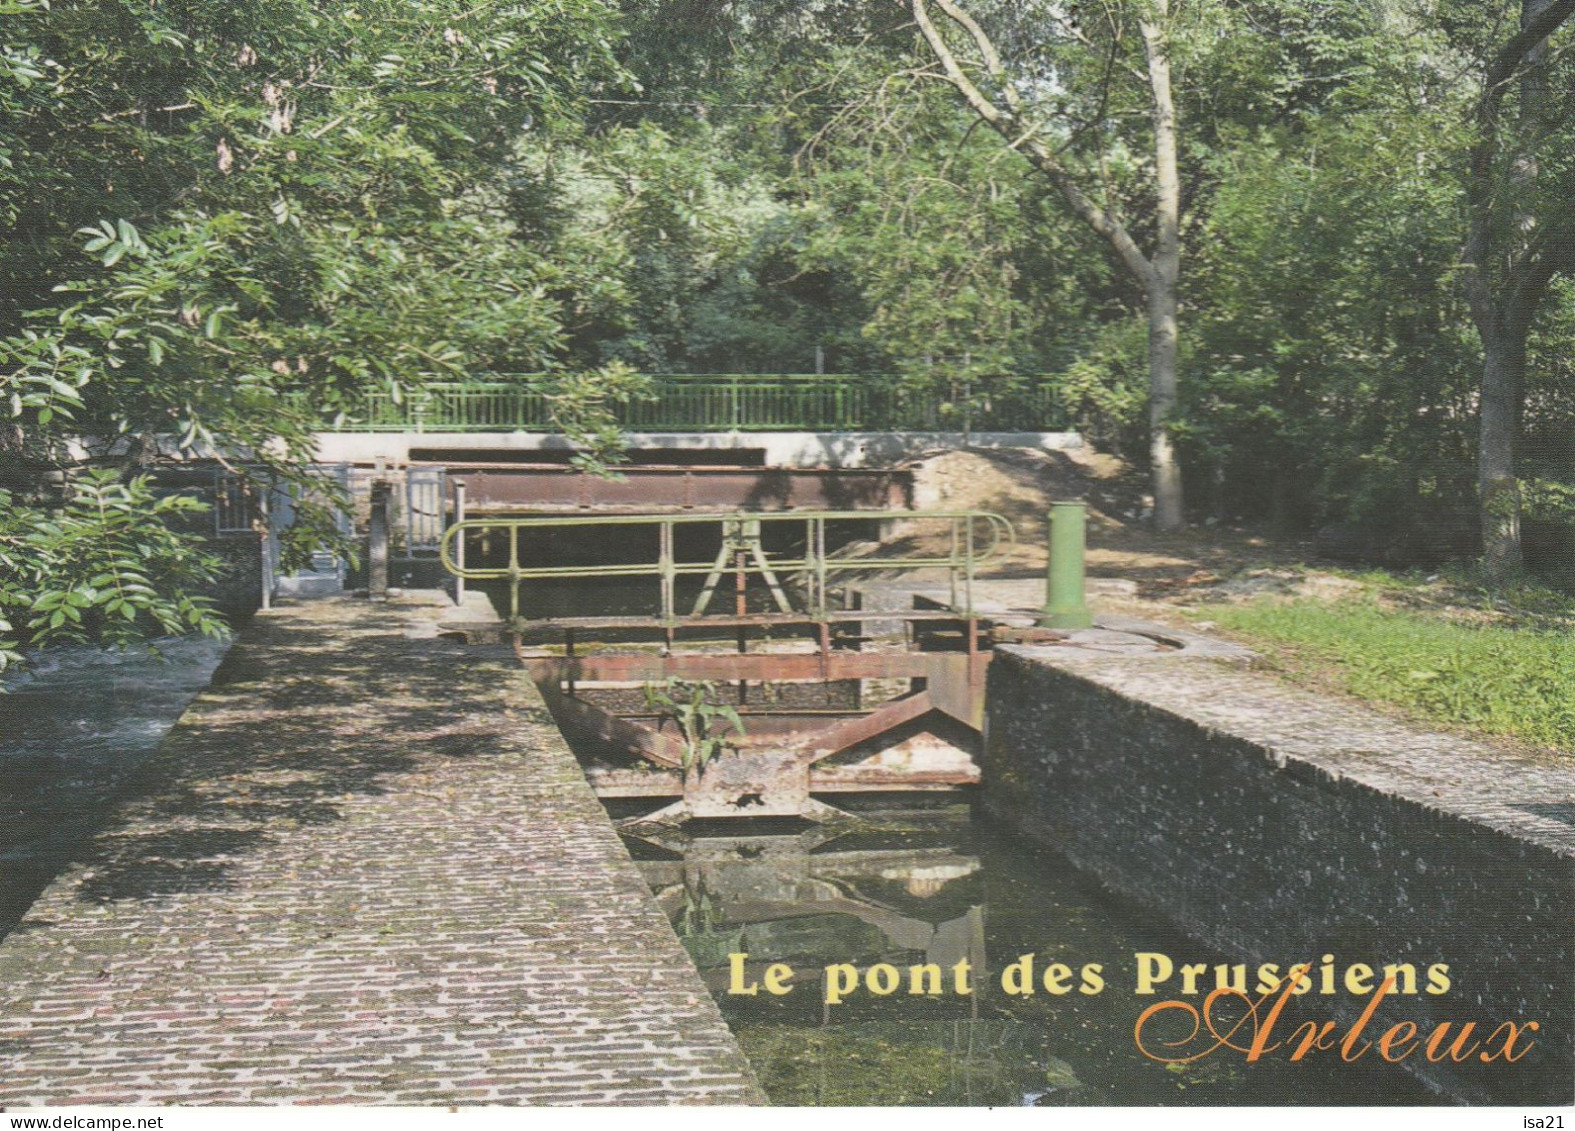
x=1279 y=827
x=782 y=449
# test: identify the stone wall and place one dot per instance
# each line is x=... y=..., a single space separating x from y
x=1277 y=826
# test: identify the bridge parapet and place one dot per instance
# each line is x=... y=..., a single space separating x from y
x=715 y=402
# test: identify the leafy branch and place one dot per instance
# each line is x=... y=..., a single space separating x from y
x=108 y=568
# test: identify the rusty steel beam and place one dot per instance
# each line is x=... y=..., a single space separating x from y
x=554 y=625
x=752 y=666
x=510 y=487
x=887 y=779
x=577 y=714
x=608 y=782
x=620 y=783
x=839 y=737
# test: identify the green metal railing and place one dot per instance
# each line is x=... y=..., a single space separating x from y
x=709 y=402
x=976 y=539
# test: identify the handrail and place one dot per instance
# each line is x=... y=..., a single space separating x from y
x=707 y=402
x=514 y=380
x=742 y=552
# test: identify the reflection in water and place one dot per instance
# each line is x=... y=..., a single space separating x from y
x=775 y=899
x=942 y=891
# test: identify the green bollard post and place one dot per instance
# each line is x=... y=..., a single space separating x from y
x=1065 y=604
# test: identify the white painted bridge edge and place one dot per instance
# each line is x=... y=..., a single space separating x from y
x=782 y=449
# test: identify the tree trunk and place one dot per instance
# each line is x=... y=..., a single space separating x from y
x=1169 y=513
x=1157 y=275
x=1218 y=507
x=1503 y=305
x=1166 y=469
x=1504 y=354
x=1280 y=500
x=1503 y=369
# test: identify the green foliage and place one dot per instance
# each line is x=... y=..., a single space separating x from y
x=216 y=223
x=326 y=212
x=1549 y=499
x=583 y=403
x=1496 y=679
x=1332 y=346
x=1107 y=385
x=108 y=567
x=703 y=723
x=782 y=182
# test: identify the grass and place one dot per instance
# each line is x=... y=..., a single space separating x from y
x=1498 y=679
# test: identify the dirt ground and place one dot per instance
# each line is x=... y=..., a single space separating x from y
x=1134 y=569
x=1176 y=578
x=1149 y=570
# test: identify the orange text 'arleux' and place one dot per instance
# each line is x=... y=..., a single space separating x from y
x=1230 y=1020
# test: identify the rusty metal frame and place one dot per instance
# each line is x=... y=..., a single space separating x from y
x=510 y=488
x=784 y=757
x=961 y=562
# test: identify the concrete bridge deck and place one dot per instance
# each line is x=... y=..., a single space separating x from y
x=363 y=868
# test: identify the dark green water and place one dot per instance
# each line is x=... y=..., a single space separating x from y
x=941 y=892
x=71 y=729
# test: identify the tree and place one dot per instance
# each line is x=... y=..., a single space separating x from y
x=1333 y=367
x=997 y=98
x=224 y=222
x=1521 y=235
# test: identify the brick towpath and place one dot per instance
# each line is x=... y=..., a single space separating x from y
x=363 y=868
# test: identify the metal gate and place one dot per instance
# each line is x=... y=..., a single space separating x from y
x=326 y=572
x=424 y=509
x=724 y=733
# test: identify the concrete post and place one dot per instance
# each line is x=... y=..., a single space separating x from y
x=265 y=549
x=377 y=540
x=459 y=542
x=1065 y=604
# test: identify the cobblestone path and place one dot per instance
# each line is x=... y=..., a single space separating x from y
x=363 y=868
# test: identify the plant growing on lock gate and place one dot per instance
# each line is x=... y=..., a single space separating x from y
x=702 y=723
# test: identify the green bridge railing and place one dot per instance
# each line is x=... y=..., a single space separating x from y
x=703 y=402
